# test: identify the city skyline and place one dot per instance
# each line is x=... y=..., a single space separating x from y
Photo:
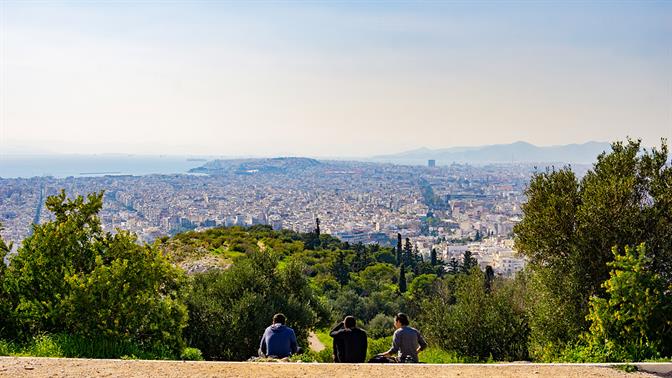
x=326 y=80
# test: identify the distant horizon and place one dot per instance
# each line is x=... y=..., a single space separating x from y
x=18 y=152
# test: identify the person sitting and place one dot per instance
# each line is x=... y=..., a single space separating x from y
x=406 y=341
x=278 y=341
x=350 y=342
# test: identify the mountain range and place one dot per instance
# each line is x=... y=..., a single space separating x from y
x=518 y=152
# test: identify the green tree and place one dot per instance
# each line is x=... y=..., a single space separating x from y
x=423 y=287
x=402 y=279
x=70 y=276
x=399 y=250
x=230 y=309
x=635 y=319
x=380 y=326
x=569 y=226
x=340 y=269
x=468 y=262
x=462 y=317
x=432 y=257
x=453 y=266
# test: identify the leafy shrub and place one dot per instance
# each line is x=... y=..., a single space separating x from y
x=191 y=354
x=380 y=326
x=71 y=277
x=65 y=345
x=634 y=322
x=44 y=346
x=6 y=348
x=229 y=310
x=470 y=322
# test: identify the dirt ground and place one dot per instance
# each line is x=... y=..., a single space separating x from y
x=64 y=367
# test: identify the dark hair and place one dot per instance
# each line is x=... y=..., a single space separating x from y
x=402 y=318
x=279 y=318
x=349 y=322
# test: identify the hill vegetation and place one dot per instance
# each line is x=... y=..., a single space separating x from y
x=598 y=286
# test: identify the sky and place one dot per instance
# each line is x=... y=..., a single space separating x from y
x=329 y=79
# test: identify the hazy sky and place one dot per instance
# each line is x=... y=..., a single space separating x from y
x=328 y=79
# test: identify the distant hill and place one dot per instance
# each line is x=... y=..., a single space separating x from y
x=519 y=152
x=253 y=166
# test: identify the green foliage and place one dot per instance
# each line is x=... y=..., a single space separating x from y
x=433 y=355
x=463 y=318
x=44 y=346
x=71 y=277
x=570 y=225
x=636 y=317
x=64 y=345
x=402 y=279
x=468 y=262
x=6 y=348
x=377 y=346
x=380 y=326
x=423 y=286
x=230 y=309
x=191 y=354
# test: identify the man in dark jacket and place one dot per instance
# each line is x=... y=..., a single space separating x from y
x=279 y=341
x=350 y=342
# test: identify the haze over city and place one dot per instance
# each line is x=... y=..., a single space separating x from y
x=322 y=79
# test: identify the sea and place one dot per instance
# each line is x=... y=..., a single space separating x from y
x=61 y=166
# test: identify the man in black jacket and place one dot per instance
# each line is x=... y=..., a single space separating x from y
x=349 y=341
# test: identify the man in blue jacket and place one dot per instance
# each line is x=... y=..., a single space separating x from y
x=279 y=341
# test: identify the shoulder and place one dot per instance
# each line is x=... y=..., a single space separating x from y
x=359 y=331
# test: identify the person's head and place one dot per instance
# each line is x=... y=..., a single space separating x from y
x=349 y=322
x=279 y=318
x=401 y=320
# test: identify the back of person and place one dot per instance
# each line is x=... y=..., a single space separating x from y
x=278 y=339
x=350 y=342
x=354 y=345
x=408 y=340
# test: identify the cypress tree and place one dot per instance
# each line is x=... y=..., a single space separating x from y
x=408 y=253
x=454 y=266
x=402 y=279
x=399 y=249
x=468 y=262
x=432 y=257
x=489 y=277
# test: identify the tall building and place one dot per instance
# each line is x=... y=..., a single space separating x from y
x=431 y=163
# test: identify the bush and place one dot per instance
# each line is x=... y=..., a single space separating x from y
x=71 y=277
x=475 y=324
x=229 y=310
x=634 y=322
x=76 y=346
x=191 y=354
x=380 y=326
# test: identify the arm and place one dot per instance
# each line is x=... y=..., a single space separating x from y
x=396 y=340
x=422 y=342
x=262 y=345
x=334 y=331
x=292 y=343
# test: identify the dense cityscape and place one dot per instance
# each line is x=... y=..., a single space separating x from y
x=450 y=208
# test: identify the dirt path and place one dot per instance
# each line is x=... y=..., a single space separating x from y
x=314 y=343
x=63 y=367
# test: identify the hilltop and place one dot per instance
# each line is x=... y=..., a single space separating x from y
x=278 y=165
x=518 y=152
